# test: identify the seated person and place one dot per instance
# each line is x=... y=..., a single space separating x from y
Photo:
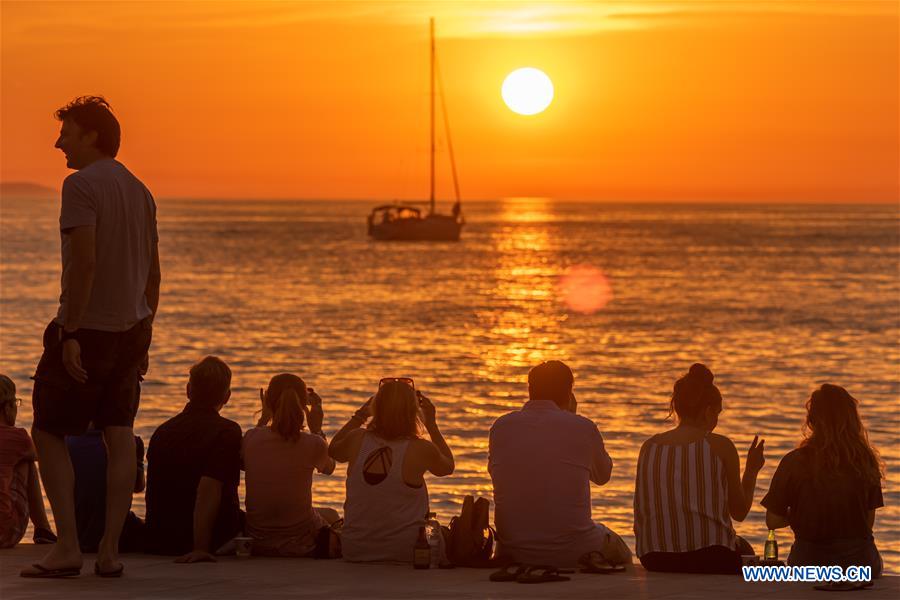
x=193 y=471
x=827 y=490
x=279 y=459
x=689 y=487
x=387 y=499
x=20 y=484
x=542 y=460
x=88 y=455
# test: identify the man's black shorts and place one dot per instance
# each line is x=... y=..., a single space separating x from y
x=63 y=406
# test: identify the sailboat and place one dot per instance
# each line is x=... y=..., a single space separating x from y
x=404 y=220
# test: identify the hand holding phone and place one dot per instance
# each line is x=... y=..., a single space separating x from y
x=314 y=415
x=427 y=407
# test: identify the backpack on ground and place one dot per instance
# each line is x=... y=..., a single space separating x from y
x=470 y=538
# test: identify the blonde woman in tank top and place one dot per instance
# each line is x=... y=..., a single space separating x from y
x=689 y=486
x=387 y=499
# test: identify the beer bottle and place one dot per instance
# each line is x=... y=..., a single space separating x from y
x=771 y=550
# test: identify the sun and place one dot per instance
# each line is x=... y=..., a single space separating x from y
x=527 y=91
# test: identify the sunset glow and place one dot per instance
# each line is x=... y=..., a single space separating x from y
x=368 y=209
x=791 y=101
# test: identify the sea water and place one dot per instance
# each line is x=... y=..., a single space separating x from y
x=775 y=299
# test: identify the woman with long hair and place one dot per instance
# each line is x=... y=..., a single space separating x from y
x=689 y=486
x=827 y=490
x=387 y=499
x=279 y=457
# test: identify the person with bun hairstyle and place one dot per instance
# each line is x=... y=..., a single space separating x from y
x=827 y=490
x=279 y=458
x=387 y=499
x=689 y=487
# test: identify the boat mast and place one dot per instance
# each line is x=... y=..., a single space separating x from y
x=431 y=26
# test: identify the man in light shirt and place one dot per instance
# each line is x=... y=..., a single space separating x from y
x=542 y=461
x=95 y=349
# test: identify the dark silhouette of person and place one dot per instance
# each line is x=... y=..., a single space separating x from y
x=89 y=460
x=96 y=345
x=689 y=486
x=827 y=490
x=193 y=472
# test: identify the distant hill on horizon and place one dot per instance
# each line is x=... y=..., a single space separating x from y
x=27 y=189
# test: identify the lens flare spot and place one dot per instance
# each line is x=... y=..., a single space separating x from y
x=585 y=289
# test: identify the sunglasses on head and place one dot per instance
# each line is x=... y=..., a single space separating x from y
x=407 y=380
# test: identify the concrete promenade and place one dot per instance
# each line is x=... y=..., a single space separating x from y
x=270 y=578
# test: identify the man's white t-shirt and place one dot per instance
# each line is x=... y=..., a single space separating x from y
x=541 y=459
x=106 y=195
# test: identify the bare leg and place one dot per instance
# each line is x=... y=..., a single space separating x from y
x=120 y=474
x=59 y=481
x=36 y=509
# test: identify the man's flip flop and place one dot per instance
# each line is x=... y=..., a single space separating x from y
x=508 y=573
x=594 y=562
x=114 y=573
x=41 y=572
x=541 y=574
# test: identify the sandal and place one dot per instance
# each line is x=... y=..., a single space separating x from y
x=541 y=574
x=594 y=562
x=510 y=572
x=42 y=572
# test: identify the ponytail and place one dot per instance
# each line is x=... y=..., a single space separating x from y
x=287 y=421
x=287 y=396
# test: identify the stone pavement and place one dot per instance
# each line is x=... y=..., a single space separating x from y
x=272 y=578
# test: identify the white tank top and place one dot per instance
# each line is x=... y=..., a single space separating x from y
x=382 y=520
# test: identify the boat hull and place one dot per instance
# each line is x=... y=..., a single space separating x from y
x=441 y=228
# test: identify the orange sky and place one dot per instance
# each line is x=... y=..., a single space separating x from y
x=676 y=100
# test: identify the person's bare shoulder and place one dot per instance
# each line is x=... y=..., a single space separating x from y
x=717 y=439
x=722 y=446
x=353 y=439
x=422 y=446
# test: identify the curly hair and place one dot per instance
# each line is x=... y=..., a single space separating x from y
x=835 y=434
x=93 y=113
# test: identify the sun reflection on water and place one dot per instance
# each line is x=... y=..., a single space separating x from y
x=789 y=298
x=527 y=267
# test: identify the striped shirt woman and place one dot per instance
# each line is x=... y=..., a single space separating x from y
x=688 y=487
x=681 y=499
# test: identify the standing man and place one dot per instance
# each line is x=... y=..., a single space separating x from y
x=95 y=350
